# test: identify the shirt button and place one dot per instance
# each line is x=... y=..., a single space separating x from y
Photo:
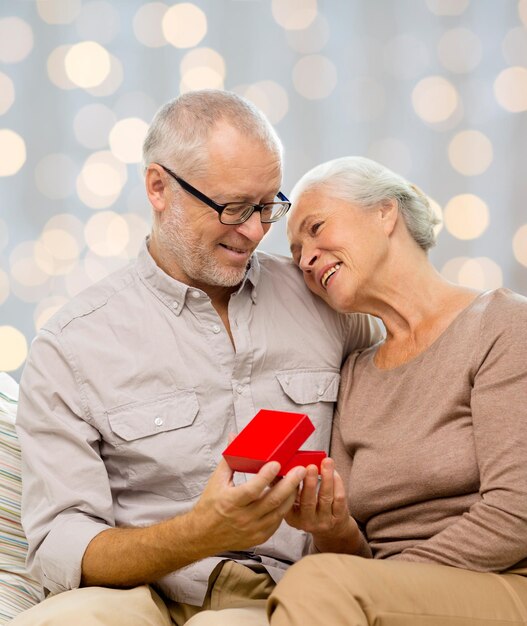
x=239 y=388
x=320 y=391
x=175 y=304
x=158 y=421
x=195 y=294
x=216 y=329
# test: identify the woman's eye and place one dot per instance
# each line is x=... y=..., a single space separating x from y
x=313 y=229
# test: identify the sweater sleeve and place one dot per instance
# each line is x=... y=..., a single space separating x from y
x=492 y=534
x=338 y=450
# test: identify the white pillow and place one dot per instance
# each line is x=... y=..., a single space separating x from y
x=18 y=591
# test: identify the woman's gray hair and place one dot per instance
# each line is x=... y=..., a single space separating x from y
x=179 y=131
x=367 y=183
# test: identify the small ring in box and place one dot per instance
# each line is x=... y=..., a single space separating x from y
x=273 y=436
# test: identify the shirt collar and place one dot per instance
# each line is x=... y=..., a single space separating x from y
x=173 y=292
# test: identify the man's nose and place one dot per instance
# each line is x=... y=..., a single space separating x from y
x=253 y=228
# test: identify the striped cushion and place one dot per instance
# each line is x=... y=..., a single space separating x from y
x=18 y=591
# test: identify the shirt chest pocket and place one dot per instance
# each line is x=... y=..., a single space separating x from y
x=309 y=386
x=313 y=392
x=160 y=446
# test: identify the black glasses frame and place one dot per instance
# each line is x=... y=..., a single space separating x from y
x=219 y=208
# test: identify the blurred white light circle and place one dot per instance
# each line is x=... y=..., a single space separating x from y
x=12 y=152
x=460 y=50
x=87 y=64
x=14 y=348
x=57 y=69
x=294 y=14
x=314 y=77
x=519 y=245
x=447 y=7
x=58 y=11
x=269 y=97
x=405 y=57
x=7 y=93
x=23 y=266
x=55 y=176
x=56 y=251
x=466 y=216
x=480 y=273
x=310 y=39
x=112 y=82
x=147 y=24
x=107 y=234
x=450 y=270
x=510 y=89
x=46 y=308
x=392 y=153
x=16 y=39
x=200 y=78
x=203 y=57
x=184 y=25
x=4 y=286
x=92 y=125
x=470 y=152
x=101 y=180
x=434 y=99
x=98 y=21
x=69 y=223
x=126 y=139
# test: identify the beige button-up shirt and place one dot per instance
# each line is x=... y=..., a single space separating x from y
x=129 y=394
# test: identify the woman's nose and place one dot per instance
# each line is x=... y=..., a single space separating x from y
x=307 y=260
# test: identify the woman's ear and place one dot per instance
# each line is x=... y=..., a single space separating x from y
x=389 y=212
x=156 y=187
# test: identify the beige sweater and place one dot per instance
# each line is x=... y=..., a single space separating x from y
x=434 y=452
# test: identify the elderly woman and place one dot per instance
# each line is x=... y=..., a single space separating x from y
x=430 y=435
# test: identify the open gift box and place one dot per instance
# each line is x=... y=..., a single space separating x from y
x=273 y=436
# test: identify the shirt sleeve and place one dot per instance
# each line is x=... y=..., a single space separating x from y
x=491 y=535
x=362 y=331
x=66 y=497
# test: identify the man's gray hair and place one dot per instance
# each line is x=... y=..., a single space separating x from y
x=367 y=183
x=179 y=131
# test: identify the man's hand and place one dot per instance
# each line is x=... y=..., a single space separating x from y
x=322 y=511
x=226 y=517
x=236 y=517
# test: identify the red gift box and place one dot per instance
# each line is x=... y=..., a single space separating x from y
x=273 y=436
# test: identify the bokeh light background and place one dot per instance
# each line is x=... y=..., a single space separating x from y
x=434 y=89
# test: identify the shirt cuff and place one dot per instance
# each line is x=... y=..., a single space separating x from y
x=59 y=558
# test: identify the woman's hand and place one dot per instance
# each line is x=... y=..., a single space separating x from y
x=322 y=511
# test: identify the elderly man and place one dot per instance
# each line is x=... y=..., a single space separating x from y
x=131 y=391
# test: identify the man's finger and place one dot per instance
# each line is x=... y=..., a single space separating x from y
x=254 y=488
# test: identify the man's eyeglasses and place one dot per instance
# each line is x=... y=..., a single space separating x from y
x=237 y=212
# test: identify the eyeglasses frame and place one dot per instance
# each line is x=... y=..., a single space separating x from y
x=219 y=208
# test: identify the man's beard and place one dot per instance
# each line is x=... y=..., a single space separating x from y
x=191 y=255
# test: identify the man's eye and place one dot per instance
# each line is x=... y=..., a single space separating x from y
x=313 y=229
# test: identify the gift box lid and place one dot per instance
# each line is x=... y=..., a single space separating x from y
x=269 y=436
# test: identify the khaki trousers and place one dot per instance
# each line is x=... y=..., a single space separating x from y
x=236 y=597
x=334 y=589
